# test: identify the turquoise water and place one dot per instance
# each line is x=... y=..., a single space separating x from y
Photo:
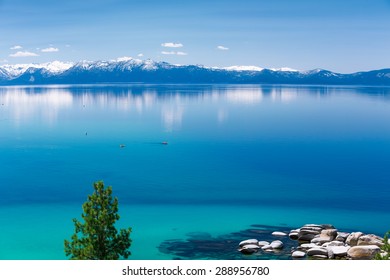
x=236 y=156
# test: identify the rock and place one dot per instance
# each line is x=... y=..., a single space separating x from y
x=248 y=241
x=298 y=254
x=317 y=251
x=329 y=234
x=338 y=251
x=353 y=238
x=308 y=232
x=306 y=236
x=313 y=225
x=262 y=243
x=370 y=239
x=293 y=235
x=251 y=246
x=327 y=226
x=311 y=229
x=249 y=249
x=319 y=257
x=320 y=240
x=342 y=236
x=277 y=244
x=266 y=248
x=307 y=246
x=330 y=254
x=279 y=233
x=367 y=252
x=333 y=243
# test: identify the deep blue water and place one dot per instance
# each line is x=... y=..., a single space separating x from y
x=236 y=156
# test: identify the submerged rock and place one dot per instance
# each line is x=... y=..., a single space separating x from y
x=263 y=243
x=267 y=248
x=279 y=233
x=248 y=241
x=277 y=244
x=201 y=245
x=249 y=249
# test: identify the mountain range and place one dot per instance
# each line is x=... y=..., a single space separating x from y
x=130 y=70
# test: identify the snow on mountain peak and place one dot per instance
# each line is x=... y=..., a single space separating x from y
x=254 y=68
x=57 y=66
x=242 y=68
x=54 y=67
x=284 y=69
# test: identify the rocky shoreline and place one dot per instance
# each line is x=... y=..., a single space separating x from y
x=314 y=241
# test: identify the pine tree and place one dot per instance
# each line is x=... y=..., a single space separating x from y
x=97 y=238
x=385 y=255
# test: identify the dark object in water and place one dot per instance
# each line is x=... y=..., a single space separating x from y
x=203 y=246
x=122 y=145
x=164 y=143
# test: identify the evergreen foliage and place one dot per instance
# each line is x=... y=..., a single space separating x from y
x=97 y=238
x=385 y=248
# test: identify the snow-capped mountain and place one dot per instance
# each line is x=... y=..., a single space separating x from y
x=54 y=67
x=129 y=70
x=241 y=68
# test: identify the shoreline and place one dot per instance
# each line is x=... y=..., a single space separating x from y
x=263 y=242
x=315 y=241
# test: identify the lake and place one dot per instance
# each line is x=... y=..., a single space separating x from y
x=236 y=155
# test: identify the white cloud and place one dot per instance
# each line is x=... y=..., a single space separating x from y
x=67 y=45
x=140 y=55
x=124 y=58
x=17 y=47
x=51 y=49
x=23 y=54
x=172 y=45
x=173 y=53
x=222 y=48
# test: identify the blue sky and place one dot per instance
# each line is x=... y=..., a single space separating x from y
x=342 y=36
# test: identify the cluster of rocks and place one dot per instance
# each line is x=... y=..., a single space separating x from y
x=320 y=242
x=251 y=246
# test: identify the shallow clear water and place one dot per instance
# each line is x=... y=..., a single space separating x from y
x=236 y=156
